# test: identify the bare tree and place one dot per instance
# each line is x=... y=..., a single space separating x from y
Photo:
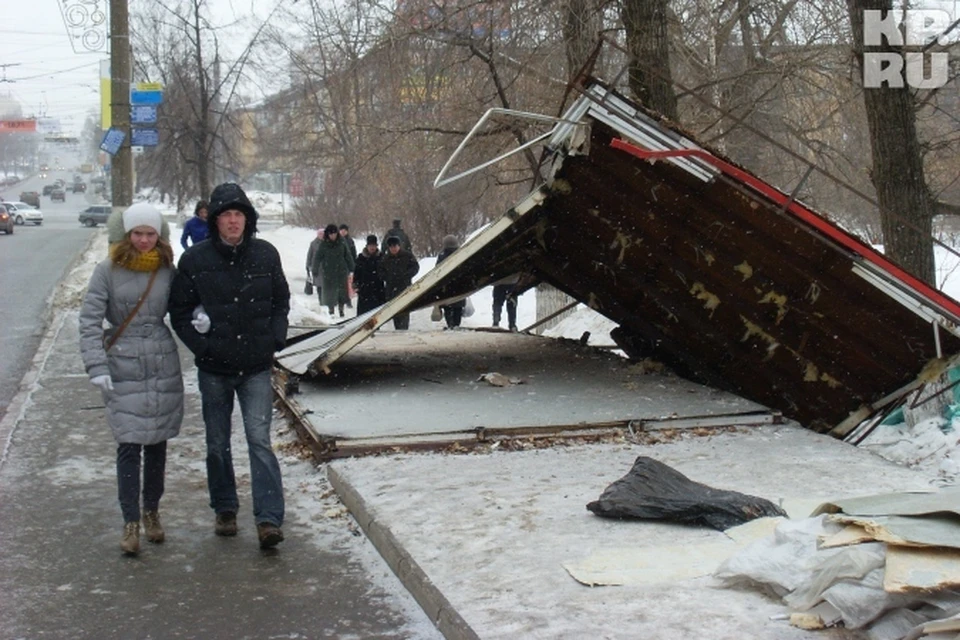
x=906 y=206
x=175 y=42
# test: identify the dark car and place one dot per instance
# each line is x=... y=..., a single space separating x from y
x=79 y=187
x=97 y=214
x=6 y=221
x=58 y=194
x=48 y=188
x=30 y=197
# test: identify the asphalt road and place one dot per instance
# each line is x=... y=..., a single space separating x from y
x=32 y=261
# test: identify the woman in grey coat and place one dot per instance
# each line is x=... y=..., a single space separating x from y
x=137 y=368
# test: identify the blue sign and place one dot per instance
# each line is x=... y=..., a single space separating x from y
x=143 y=114
x=146 y=97
x=112 y=140
x=144 y=137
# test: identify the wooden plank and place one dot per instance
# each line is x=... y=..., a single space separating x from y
x=849 y=535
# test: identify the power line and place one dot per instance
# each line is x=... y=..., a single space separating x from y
x=4 y=67
x=52 y=73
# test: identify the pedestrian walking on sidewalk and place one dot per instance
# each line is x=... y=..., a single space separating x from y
x=135 y=364
x=195 y=230
x=352 y=249
x=397 y=268
x=239 y=282
x=452 y=312
x=336 y=262
x=315 y=278
x=505 y=292
x=396 y=231
x=370 y=291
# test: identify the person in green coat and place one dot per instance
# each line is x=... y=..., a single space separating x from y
x=335 y=261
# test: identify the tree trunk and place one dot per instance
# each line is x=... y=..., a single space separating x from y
x=651 y=81
x=906 y=206
x=581 y=28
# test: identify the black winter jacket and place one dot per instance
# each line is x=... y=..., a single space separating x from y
x=366 y=280
x=397 y=271
x=244 y=292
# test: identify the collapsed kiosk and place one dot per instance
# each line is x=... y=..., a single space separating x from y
x=725 y=279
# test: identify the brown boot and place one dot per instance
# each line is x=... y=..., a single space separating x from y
x=130 y=543
x=152 y=526
x=226 y=524
x=270 y=535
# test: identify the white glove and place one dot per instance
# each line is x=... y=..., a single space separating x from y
x=201 y=321
x=105 y=383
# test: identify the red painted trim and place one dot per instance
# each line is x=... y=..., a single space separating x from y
x=923 y=289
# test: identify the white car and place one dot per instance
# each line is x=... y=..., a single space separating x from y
x=22 y=213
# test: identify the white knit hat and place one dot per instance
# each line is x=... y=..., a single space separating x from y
x=142 y=215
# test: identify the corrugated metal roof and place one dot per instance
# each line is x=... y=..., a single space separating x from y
x=705 y=267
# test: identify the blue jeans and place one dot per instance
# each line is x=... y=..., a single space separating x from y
x=256 y=405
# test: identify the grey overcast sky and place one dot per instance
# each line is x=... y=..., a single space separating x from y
x=40 y=70
x=45 y=62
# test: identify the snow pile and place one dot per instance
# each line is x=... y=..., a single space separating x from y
x=931 y=443
x=68 y=294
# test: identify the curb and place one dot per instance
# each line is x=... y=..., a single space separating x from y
x=443 y=615
x=53 y=320
x=24 y=398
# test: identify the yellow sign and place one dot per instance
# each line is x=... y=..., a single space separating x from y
x=149 y=86
x=105 y=115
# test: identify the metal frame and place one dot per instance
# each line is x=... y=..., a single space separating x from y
x=441 y=180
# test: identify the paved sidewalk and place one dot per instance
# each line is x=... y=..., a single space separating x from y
x=61 y=571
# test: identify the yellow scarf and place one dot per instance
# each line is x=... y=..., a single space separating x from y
x=149 y=261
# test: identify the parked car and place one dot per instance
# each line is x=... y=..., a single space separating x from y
x=48 y=188
x=22 y=213
x=7 y=181
x=6 y=222
x=30 y=197
x=58 y=194
x=97 y=214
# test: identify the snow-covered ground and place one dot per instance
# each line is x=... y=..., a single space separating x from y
x=495 y=531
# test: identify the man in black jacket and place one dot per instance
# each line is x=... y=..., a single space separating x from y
x=229 y=303
x=397 y=268
x=366 y=280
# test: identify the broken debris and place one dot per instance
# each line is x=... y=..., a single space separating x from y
x=887 y=563
x=498 y=379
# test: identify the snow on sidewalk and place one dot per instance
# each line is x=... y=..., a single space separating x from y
x=493 y=531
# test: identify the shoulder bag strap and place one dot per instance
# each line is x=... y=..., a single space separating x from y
x=129 y=318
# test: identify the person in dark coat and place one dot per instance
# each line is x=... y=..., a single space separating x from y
x=397 y=268
x=315 y=278
x=453 y=312
x=505 y=292
x=370 y=291
x=352 y=248
x=397 y=232
x=135 y=365
x=195 y=230
x=238 y=281
x=335 y=261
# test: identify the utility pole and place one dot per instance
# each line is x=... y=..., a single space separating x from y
x=121 y=172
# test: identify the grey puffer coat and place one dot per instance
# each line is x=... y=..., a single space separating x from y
x=146 y=404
